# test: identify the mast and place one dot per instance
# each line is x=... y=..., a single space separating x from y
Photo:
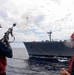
x=49 y=34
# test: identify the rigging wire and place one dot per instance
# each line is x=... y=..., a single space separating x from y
x=40 y=49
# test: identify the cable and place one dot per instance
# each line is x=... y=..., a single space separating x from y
x=40 y=49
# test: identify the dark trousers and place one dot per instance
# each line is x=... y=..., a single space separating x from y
x=72 y=73
x=3 y=74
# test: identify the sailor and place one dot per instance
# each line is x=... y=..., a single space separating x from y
x=70 y=70
x=4 y=46
x=72 y=36
x=72 y=40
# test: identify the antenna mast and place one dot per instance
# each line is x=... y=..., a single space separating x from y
x=49 y=34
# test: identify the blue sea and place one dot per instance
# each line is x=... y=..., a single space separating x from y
x=21 y=64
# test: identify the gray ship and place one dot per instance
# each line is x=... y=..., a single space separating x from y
x=49 y=48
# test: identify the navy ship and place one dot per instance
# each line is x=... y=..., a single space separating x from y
x=49 y=48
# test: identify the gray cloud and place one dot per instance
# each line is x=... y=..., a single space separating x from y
x=39 y=19
x=3 y=14
x=34 y=17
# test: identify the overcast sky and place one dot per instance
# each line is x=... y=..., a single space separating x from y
x=34 y=18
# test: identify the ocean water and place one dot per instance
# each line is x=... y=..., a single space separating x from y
x=21 y=64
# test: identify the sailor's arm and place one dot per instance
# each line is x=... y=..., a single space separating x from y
x=8 y=44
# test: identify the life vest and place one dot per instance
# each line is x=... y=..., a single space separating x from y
x=71 y=64
x=3 y=63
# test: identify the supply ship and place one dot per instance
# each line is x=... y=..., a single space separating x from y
x=50 y=48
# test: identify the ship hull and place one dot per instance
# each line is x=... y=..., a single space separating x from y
x=48 y=49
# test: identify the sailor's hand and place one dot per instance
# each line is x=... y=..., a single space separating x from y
x=5 y=39
x=63 y=71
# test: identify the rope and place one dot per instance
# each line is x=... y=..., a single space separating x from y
x=40 y=49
